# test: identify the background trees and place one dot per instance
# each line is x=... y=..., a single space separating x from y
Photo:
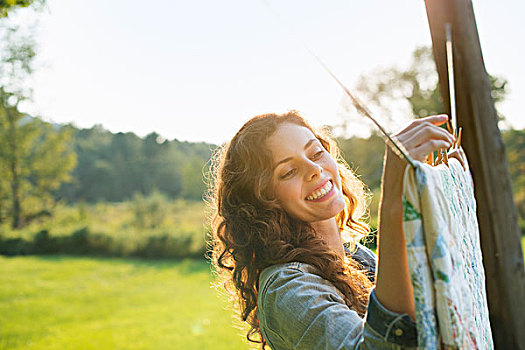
x=115 y=167
x=395 y=93
x=35 y=157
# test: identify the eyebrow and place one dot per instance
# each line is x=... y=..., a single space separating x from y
x=290 y=158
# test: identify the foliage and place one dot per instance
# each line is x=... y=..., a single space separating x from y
x=515 y=149
x=6 y=6
x=35 y=159
x=113 y=167
x=397 y=93
x=418 y=84
x=113 y=229
x=193 y=186
x=365 y=156
x=151 y=211
x=101 y=303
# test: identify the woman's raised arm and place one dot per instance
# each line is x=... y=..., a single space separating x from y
x=393 y=286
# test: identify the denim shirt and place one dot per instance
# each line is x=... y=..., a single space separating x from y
x=298 y=309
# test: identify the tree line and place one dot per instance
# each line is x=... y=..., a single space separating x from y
x=41 y=164
x=114 y=167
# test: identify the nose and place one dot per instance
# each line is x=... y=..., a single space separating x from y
x=314 y=171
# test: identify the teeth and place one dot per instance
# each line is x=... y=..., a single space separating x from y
x=321 y=192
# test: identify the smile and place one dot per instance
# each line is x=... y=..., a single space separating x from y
x=322 y=192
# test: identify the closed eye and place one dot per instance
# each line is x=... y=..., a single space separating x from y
x=318 y=155
x=288 y=174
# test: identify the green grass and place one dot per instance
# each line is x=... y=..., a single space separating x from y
x=60 y=302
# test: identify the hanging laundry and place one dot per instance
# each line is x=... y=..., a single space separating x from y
x=444 y=257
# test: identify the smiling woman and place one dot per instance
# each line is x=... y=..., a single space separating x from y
x=303 y=180
x=287 y=220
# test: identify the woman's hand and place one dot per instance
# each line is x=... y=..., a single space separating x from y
x=422 y=137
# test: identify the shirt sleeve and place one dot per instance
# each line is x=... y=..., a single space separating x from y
x=392 y=327
x=301 y=310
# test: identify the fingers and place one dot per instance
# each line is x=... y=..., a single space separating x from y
x=425 y=139
x=424 y=132
x=433 y=119
x=420 y=152
x=423 y=136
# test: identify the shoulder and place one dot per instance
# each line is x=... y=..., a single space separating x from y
x=297 y=308
x=286 y=270
x=291 y=278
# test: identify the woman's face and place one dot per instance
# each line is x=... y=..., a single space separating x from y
x=305 y=176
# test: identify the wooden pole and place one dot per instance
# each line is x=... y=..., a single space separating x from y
x=497 y=214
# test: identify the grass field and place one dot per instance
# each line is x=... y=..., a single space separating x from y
x=64 y=302
x=61 y=302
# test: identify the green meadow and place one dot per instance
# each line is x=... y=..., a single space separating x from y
x=64 y=302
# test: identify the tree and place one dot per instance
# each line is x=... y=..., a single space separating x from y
x=193 y=185
x=16 y=59
x=395 y=93
x=124 y=150
x=95 y=176
x=51 y=161
x=114 y=167
x=34 y=157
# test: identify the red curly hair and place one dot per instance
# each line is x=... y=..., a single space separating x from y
x=251 y=231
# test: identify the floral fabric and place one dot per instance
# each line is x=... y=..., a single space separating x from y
x=444 y=258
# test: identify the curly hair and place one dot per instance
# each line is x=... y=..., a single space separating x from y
x=251 y=231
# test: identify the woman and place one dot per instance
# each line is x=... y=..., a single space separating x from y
x=287 y=219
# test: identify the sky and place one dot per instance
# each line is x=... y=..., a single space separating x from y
x=197 y=70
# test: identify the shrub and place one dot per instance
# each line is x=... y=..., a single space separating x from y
x=44 y=244
x=83 y=241
x=150 y=211
x=175 y=230
x=15 y=246
x=167 y=246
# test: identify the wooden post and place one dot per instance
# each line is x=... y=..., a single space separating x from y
x=497 y=214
